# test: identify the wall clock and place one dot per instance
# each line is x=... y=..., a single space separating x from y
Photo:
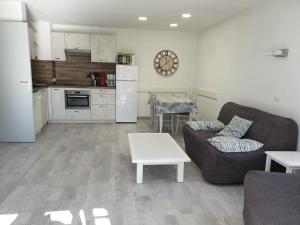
x=166 y=63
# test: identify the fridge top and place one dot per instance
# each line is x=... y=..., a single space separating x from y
x=125 y=72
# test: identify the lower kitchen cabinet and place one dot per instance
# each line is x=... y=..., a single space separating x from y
x=103 y=112
x=78 y=114
x=58 y=104
x=44 y=104
x=37 y=111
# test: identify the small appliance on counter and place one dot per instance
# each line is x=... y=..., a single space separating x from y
x=111 y=80
x=126 y=59
x=102 y=79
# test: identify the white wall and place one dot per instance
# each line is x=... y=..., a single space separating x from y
x=145 y=44
x=13 y=11
x=232 y=60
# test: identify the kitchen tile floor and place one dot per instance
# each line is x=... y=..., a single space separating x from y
x=82 y=174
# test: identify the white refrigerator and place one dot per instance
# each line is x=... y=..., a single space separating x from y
x=16 y=108
x=126 y=93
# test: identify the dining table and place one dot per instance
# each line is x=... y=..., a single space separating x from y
x=174 y=103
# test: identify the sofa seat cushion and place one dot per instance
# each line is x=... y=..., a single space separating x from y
x=232 y=144
x=272 y=199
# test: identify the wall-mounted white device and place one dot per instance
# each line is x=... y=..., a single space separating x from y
x=284 y=52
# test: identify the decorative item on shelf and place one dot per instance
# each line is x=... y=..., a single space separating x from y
x=95 y=77
x=166 y=63
x=126 y=59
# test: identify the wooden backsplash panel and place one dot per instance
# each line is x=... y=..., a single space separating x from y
x=42 y=71
x=70 y=72
x=76 y=71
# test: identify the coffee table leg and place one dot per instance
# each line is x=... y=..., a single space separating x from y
x=139 y=173
x=161 y=117
x=180 y=172
x=268 y=164
x=289 y=170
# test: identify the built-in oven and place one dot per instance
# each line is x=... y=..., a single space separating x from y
x=78 y=99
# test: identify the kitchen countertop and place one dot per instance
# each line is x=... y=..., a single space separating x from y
x=36 y=88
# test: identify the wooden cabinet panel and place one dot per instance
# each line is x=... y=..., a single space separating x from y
x=77 y=114
x=103 y=48
x=58 y=46
x=77 y=41
x=58 y=104
x=103 y=112
x=105 y=99
x=45 y=114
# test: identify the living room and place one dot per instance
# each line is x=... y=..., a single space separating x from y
x=226 y=58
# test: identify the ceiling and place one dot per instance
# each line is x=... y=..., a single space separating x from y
x=124 y=13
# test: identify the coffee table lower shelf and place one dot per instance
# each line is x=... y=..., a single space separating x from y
x=140 y=171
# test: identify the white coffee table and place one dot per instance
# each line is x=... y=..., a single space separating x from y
x=288 y=159
x=156 y=149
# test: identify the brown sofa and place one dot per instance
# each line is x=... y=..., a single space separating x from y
x=271 y=199
x=275 y=132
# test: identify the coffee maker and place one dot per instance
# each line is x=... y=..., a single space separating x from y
x=111 y=80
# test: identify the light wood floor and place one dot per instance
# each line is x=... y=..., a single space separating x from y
x=76 y=168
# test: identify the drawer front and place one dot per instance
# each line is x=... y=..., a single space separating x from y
x=103 y=91
x=105 y=99
x=103 y=112
x=73 y=114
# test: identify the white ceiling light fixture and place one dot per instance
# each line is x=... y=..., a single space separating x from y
x=186 y=15
x=173 y=24
x=143 y=18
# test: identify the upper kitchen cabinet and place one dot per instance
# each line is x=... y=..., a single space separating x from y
x=103 y=48
x=78 y=41
x=58 y=46
x=42 y=40
x=31 y=42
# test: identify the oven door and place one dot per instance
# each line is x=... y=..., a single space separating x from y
x=77 y=101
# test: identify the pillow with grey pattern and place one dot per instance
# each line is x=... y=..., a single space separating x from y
x=237 y=127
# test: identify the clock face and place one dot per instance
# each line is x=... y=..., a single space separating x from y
x=166 y=63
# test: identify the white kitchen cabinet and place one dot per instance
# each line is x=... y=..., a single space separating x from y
x=103 y=48
x=78 y=114
x=103 y=99
x=58 y=46
x=31 y=42
x=44 y=103
x=37 y=111
x=77 y=41
x=103 y=112
x=42 y=40
x=58 y=104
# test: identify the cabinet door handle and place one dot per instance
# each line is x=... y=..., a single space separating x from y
x=57 y=58
x=56 y=89
x=76 y=111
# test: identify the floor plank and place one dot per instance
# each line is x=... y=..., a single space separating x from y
x=75 y=167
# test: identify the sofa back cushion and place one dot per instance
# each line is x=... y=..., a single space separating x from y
x=275 y=132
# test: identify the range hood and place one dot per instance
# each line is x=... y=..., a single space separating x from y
x=78 y=52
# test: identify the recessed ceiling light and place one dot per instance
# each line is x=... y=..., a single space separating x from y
x=173 y=25
x=186 y=15
x=143 y=18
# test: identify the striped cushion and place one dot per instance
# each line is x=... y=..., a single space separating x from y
x=233 y=144
x=237 y=127
x=206 y=125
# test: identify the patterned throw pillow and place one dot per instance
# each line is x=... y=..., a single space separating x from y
x=233 y=144
x=206 y=125
x=237 y=127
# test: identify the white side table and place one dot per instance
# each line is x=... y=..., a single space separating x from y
x=290 y=160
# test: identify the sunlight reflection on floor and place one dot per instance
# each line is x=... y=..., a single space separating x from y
x=64 y=217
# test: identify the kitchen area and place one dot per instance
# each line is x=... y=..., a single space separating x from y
x=85 y=80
